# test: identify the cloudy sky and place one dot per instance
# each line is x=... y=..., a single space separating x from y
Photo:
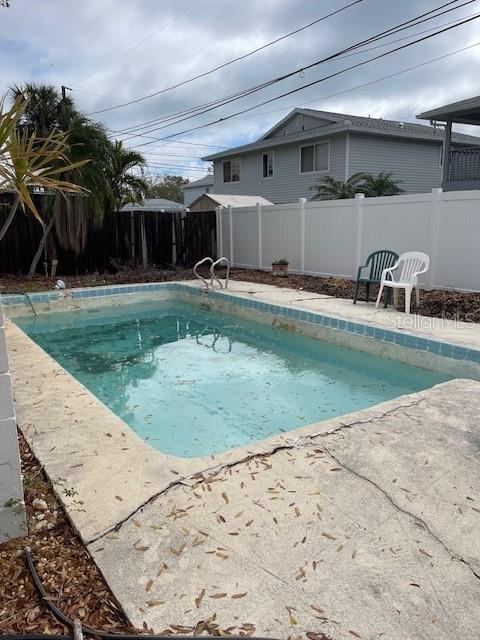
x=111 y=51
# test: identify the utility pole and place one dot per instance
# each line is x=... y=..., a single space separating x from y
x=64 y=91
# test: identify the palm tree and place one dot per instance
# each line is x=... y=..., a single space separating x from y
x=125 y=186
x=329 y=188
x=108 y=176
x=382 y=184
x=45 y=111
x=28 y=162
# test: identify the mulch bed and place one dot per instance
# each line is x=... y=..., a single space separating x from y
x=63 y=564
x=453 y=305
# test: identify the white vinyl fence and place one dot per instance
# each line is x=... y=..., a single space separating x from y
x=332 y=238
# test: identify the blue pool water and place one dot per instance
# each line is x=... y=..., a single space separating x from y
x=193 y=382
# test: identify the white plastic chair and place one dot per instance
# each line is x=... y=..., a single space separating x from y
x=408 y=267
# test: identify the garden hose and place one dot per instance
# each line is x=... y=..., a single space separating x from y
x=87 y=631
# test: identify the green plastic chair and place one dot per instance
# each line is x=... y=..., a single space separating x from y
x=377 y=261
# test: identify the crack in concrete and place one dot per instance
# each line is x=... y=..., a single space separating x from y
x=417 y=519
x=303 y=441
x=349 y=425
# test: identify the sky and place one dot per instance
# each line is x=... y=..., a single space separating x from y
x=113 y=51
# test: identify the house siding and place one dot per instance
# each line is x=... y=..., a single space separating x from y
x=287 y=184
x=191 y=194
x=416 y=164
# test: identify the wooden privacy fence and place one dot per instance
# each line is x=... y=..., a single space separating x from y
x=120 y=238
x=332 y=238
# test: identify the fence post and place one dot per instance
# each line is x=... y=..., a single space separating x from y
x=218 y=211
x=230 y=219
x=301 y=208
x=259 y=221
x=359 y=198
x=434 y=236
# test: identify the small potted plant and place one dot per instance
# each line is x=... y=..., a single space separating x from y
x=280 y=267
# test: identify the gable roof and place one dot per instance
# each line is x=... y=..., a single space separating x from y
x=206 y=181
x=341 y=123
x=226 y=200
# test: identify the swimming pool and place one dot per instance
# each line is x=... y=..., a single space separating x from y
x=193 y=382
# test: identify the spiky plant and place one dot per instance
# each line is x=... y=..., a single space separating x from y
x=29 y=162
x=330 y=188
x=382 y=184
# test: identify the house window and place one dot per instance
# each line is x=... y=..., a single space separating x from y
x=267 y=159
x=314 y=157
x=231 y=170
x=440 y=162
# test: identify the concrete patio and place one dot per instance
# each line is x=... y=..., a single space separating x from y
x=368 y=529
x=364 y=526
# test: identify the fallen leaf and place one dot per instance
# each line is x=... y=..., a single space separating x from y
x=154 y=603
x=199 y=598
x=329 y=536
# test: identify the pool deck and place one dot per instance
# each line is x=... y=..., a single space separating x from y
x=364 y=526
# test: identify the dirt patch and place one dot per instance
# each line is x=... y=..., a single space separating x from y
x=453 y=305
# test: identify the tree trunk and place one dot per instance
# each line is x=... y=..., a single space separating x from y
x=41 y=246
x=11 y=215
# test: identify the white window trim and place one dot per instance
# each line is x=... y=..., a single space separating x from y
x=264 y=153
x=241 y=172
x=320 y=171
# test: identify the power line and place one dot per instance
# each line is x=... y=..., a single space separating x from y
x=171 y=167
x=226 y=64
x=166 y=163
x=196 y=111
x=138 y=44
x=367 y=84
x=315 y=82
x=362 y=85
x=193 y=144
x=172 y=155
x=134 y=128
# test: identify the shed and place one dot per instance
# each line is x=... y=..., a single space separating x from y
x=149 y=206
x=210 y=201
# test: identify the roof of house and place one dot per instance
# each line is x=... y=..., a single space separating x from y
x=341 y=123
x=206 y=181
x=156 y=205
x=226 y=200
x=465 y=111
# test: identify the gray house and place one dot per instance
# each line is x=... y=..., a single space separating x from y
x=292 y=156
x=197 y=188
